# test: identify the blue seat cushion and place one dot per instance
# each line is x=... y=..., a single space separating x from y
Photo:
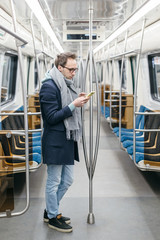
x=36 y=157
x=138 y=149
x=128 y=143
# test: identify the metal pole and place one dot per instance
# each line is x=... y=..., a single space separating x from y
x=42 y=40
x=104 y=89
x=98 y=122
x=91 y=218
x=110 y=106
x=25 y=114
x=83 y=121
x=14 y=34
x=120 y=95
x=1 y=68
x=135 y=92
x=37 y=62
x=112 y=76
x=34 y=44
x=105 y=82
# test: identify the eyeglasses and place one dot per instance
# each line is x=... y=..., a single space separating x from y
x=72 y=70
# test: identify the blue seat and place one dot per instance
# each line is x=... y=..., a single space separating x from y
x=129 y=143
x=154 y=139
x=142 y=156
x=130 y=133
x=146 y=122
x=107 y=111
x=138 y=121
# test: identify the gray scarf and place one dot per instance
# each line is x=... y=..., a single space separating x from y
x=68 y=94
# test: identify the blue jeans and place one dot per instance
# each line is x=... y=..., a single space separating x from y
x=60 y=178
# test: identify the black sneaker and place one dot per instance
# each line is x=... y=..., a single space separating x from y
x=64 y=219
x=59 y=225
x=45 y=217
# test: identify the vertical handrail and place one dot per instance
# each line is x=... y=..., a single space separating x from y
x=37 y=62
x=35 y=52
x=83 y=123
x=120 y=95
x=110 y=106
x=91 y=218
x=42 y=40
x=80 y=78
x=105 y=81
x=135 y=92
x=112 y=76
x=98 y=122
x=104 y=93
x=91 y=158
x=1 y=71
x=25 y=114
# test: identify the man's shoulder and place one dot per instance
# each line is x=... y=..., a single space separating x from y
x=49 y=83
x=49 y=86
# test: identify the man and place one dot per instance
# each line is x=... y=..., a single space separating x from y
x=60 y=107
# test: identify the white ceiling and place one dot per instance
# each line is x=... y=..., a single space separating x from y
x=74 y=15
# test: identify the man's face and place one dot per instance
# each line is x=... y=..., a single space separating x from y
x=69 y=70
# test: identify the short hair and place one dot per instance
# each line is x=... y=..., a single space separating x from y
x=63 y=57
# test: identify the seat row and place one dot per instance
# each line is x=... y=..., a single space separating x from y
x=146 y=143
x=13 y=145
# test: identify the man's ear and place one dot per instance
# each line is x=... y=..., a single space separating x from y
x=60 y=68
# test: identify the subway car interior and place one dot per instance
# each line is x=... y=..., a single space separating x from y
x=116 y=189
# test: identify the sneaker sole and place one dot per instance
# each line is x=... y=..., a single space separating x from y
x=68 y=221
x=47 y=220
x=60 y=230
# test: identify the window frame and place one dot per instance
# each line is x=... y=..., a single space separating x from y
x=152 y=78
x=124 y=70
x=12 y=79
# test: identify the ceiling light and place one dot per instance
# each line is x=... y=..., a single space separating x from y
x=141 y=12
x=38 y=12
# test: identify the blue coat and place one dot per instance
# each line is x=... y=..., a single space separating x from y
x=56 y=149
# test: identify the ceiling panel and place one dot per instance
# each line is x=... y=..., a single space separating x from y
x=74 y=15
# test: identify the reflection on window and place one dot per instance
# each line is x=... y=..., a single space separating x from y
x=133 y=69
x=99 y=70
x=124 y=80
x=35 y=76
x=9 y=71
x=28 y=71
x=154 y=70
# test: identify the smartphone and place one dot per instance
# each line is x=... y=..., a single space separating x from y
x=90 y=94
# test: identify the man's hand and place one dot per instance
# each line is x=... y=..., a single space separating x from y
x=81 y=100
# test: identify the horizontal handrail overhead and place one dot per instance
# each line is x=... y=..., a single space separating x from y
x=123 y=54
x=48 y=55
x=14 y=35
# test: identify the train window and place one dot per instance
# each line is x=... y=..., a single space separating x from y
x=35 y=76
x=80 y=36
x=133 y=70
x=9 y=72
x=110 y=72
x=124 y=80
x=28 y=71
x=99 y=70
x=106 y=72
x=154 y=72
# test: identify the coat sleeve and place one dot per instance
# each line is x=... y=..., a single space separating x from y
x=50 y=105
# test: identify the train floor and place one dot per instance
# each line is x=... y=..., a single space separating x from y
x=126 y=201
